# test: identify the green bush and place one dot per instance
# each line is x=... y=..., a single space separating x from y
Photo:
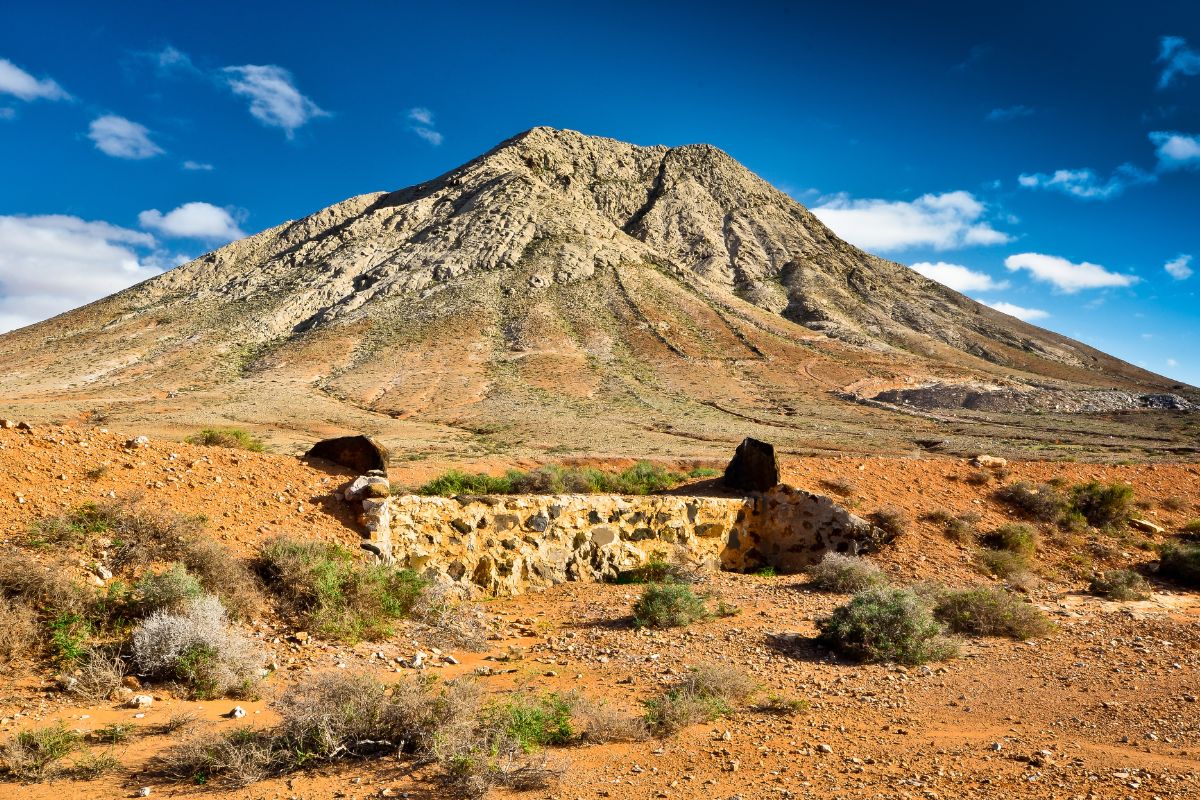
x=883 y=624
x=839 y=573
x=232 y=438
x=339 y=595
x=987 y=611
x=169 y=590
x=74 y=527
x=1043 y=502
x=69 y=635
x=1181 y=563
x=655 y=570
x=1002 y=563
x=1120 y=584
x=1103 y=504
x=640 y=479
x=33 y=754
x=534 y=721
x=668 y=605
x=1015 y=538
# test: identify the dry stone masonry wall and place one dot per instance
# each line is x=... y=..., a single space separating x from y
x=506 y=545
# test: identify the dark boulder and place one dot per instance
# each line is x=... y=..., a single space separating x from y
x=359 y=453
x=754 y=467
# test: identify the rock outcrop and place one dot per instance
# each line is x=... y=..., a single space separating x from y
x=753 y=468
x=359 y=453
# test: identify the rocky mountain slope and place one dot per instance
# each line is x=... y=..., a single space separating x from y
x=561 y=293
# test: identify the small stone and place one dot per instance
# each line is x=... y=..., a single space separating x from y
x=237 y=713
x=824 y=748
x=140 y=701
x=143 y=792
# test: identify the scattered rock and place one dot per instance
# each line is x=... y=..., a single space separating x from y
x=140 y=701
x=1146 y=526
x=138 y=442
x=989 y=462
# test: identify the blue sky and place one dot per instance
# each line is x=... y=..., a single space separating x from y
x=1043 y=157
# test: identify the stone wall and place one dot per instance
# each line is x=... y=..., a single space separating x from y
x=505 y=545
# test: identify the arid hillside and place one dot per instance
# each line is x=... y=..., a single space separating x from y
x=572 y=295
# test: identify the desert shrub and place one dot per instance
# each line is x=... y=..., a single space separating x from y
x=979 y=477
x=533 y=721
x=668 y=605
x=337 y=716
x=659 y=570
x=840 y=486
x=1174 y=503
x=1043 y=502
x=198 y=648
x=882 y=624
x=1181 y=563
x=114 y=732
x=73 y=527
x=706 y=692
x=339 y=595
x=1192 y=527
x=1002 y=563
x=987 y=611
x=600 y=723
x=1102 y=504
x=1120 y=584
x=232 y=758
x=1015 y=538
x=892 y=521
x=49 y=589
x=97 y=673
x=169 y=590
x=18 y=629
x=959 y=528
x=640 y=479
x=457 y=622
x=232 y=438
x=34 y=753
x=839 y=573
x=69 y=635
x=223 y=573
x=781 y=706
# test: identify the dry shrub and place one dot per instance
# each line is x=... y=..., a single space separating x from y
x=234 y=758
x=1120 y=584
x=599 y=723
x=222 y=573
x=97 y=674
x=18 y=628
x=840 y=486
x=456 y=621
x=1014 y=537
x=199 y=649
x=706 y=692
x=839 y=573
x=986 y=611
x=1043 y=502
x=48 y=588
x=34 y=754
x=891 y=520
x=1002 y=563
x=169 y=590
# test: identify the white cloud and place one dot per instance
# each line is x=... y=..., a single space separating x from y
x=122 y=138
x=1085 y=183
x=424 y=125
x=1172 y=362
x=1020 y=312
x=274 y=98
x=20 y=84
x=193 y=221
x=1065 y=275
x=1176 y=150
x=171 y=59
x=1177 y=58
x=958 y=277
x=1179 y=267
x=1009 y=113
x=197 y=166
x=49 y=264
x=940 y=221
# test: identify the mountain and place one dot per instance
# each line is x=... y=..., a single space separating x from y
x=568 y=294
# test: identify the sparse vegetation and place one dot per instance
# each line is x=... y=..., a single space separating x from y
x=848 y=574
x=988 y=611
x=338 y=595
x=642 y=478
x=232 y=438
x=891 y=520
x=658 y=570
x=34 y=754
x=1102 y=504
x=1097 y=504
x=781 y=706
x=841 y=486
x=18 y=627
x=958 y=528
x=668 y=605
x=533 y=721
x=1002 y=563
x=97 y=673
x=1014 y=537
x=882 y=624
x=1043 y=502
x=1181 y=563
x=199 y=649
x=1120 y=584
x=705 y=693
x=169 y=590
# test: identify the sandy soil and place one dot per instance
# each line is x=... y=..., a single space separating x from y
x=1103 y=707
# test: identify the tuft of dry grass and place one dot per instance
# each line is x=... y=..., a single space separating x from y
x=839 y=573
x=18 y=629
x=35 y=754
x=706 y=692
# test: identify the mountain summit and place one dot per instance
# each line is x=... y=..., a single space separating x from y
x=567 y=293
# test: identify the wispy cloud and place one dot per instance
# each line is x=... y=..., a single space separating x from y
x=422 y=124
x=976 y=54
x=958 y=277
x=196 y=166
x=169 y=60
x=274 y=99
x=1179 y=267
x=941 y=221
x=1177 y=59
x=1176 y=150
x=1065 y=275
x=20 y=84
x=193 y=221
x=1009 y=113
x=122 y=138
x=1020 y=312
x=1085 y=183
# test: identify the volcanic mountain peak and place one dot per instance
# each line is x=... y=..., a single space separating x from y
x=571 y=286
